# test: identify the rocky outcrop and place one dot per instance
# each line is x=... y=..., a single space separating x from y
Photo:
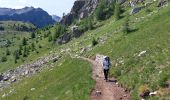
x=162 y=3
x=65 y=38
x=81 y=9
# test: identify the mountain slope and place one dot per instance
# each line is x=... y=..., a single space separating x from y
x=56 y=18
x=36 y=16
x=140 y=59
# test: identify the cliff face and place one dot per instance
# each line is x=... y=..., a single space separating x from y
x=80 y=9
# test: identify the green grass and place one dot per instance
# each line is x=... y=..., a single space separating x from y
x=70 y=80
x=152 y=35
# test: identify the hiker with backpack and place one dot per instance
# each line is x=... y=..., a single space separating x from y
x=106 y=67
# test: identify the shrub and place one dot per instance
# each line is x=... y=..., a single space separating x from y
x=100 y=11
x=33 y=35
x=4 y=59
x=25 y=52
x=105 y=9
x=126 y=26
x=143 y=88
x=94 y=42
x=24 y=41
x=162 y=79
x=50 y=38
x=8 y=52
x=86 y=24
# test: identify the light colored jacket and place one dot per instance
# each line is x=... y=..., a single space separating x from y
x=106 y=64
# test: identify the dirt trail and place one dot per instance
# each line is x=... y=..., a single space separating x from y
x=105 y=90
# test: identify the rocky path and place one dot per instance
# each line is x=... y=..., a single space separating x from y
x=105 y=90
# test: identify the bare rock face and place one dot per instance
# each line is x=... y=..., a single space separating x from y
x=88 y=8
x=81 y=9
x=162 y=3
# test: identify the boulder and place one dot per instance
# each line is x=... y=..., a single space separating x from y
x=135 y=10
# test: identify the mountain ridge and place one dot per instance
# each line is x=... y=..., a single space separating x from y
x=36 y=16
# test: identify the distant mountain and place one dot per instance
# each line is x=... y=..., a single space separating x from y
x=56 y=18
x=36 y=16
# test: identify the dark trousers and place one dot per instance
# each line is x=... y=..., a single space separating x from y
x=106 y=73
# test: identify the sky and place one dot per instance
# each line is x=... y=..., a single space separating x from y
x=53 y=7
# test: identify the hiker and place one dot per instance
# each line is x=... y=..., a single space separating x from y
x=106 y=67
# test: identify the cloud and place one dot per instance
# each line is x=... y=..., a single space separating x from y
x=18 y=7
x=22 y=1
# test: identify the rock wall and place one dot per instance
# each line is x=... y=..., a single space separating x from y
x=81 y=9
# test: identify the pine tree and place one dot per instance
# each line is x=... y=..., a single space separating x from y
x=16 y=56
x=8 y=52
x=24 y=41
x=117 y=11
x=25 y=52
x=50 y=38
x=126 y=26
x=90 y=24
x=33 y=35
x=94 y=42
x=33 y=46
x=100 y=10
x=3 y=59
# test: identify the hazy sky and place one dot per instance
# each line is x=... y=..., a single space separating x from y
x=56 y=7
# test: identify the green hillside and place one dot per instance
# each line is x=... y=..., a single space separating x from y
x=139 y=56
x=65 y=81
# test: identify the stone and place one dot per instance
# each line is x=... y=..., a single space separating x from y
x=135 y=10
x=98 y=93
x=6 y=78
x=32 y=89
x=13 y=80
x=82 y=50
x=4 y=95
x=153 y=93
x=55 y=59
x=141 y=53
x=124 y=95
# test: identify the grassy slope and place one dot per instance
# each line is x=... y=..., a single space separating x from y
x=16 y=39
x=10 y=25
x=134 y=73
x=153 y=36
x=70 y=80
